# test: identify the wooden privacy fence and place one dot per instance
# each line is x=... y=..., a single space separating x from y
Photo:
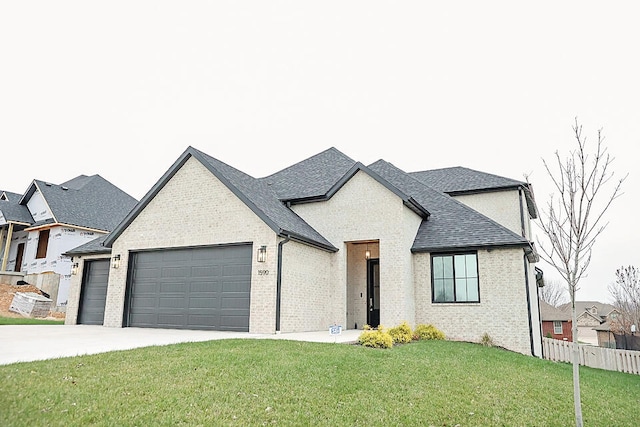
x=595 y=357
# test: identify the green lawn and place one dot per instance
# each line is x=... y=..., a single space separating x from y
x=28 y=321
x=273 y=382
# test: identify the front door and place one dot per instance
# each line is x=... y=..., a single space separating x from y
x=18 y=265
x=373 y=292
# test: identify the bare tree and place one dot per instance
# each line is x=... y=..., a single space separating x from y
x=554 y=293
x=573 y=221
x=625 y=293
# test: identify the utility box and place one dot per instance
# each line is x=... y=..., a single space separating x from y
x=30 y=304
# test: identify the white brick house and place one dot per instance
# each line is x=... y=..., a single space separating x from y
x=325 y=241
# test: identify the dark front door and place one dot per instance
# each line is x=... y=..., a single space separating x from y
x=18 y=265
x=373 y=292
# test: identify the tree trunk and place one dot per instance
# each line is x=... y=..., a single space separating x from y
x=576 y=365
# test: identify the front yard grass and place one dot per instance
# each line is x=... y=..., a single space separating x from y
x=275 y=382
x=28 y=321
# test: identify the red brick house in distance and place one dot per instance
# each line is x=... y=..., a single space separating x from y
x=556 y=323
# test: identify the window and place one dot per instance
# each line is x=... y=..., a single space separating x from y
x=455 y=278
x=557 y=327
x=43 y=241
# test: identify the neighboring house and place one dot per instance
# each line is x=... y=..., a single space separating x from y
x=556 y=323
x=37 y=227
x=325 y=241
x=590 y=316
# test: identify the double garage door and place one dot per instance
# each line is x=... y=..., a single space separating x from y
x=194 y=288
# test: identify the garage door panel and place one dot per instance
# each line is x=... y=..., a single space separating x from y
x=198 y=288
x=93 y=292
x=172 y=287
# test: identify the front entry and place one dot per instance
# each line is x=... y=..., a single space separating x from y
x=373 y=292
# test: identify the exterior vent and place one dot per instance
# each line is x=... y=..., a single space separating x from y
x=65 y=188
x=48 y=184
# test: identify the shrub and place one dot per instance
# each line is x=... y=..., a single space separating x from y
x=376 y=338
x=548 y=335
x=486 y=340
x=402 y=333
x=428 y=332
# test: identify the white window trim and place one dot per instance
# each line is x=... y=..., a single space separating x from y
x=557 y=324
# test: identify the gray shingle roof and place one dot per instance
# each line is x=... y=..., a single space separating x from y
x=95 y=246
x=550 y=313
x=311 y=178
x=602 y=309
x=85 y=201
x=451 y=225
x=14 y=212
x=460 y=180
x=255 y=193
x=12 y=197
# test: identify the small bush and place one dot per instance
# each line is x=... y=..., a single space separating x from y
x=486 y=340
x=402 y=333
x=428 y=332
x=548 y=335
x=376 y=338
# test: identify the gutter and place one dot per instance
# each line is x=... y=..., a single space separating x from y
x=526 y=286
x=287 y=238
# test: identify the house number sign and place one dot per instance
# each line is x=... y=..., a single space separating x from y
x=263 y=272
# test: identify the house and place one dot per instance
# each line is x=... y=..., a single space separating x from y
x=590 y=316
x=325 y=241
x=556 y=323
x=37 y=227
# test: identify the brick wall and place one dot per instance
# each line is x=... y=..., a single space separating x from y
x=548 y=329
x=194 y=208
x=364 y=210
x=501 y=206
x=502 y=312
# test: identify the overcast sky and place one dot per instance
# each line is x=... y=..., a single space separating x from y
x=122 y=88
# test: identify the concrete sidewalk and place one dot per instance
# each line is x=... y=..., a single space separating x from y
x=26 y=343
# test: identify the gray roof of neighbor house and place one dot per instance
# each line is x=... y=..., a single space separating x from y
x=8 y=195
x=13 y=212
x=255 y=193
x=84 y=201
x=95 y=246
x=460 y=180
x=451 y=225
x=602 y=309
x=447 y=224
x=549 y=313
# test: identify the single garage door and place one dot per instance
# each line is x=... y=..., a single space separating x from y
x=94 y=292
x=195 y=288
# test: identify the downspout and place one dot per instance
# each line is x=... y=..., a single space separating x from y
x=6 y=248
x=526 y=285
x=279 y=282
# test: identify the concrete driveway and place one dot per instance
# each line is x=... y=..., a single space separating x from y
x=26 y=343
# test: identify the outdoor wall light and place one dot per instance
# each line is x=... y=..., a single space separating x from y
x=367 y=253
x=262 y=254
x=74 y=268
x=115 y=261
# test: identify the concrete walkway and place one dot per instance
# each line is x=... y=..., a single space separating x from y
x=26 y=343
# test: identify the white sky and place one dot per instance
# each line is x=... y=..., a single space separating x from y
x=121 y=88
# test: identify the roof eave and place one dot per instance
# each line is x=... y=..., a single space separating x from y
x=450 y=249
x=305 y=240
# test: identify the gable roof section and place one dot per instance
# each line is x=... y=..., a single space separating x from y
x=549 y=313
x=85 y=201
x=255 y=193
x=460 y=180
x=319 y=177
x=603 y=309
x=311 y=178
x=95 y=246
x=13 y=212
x=8 y=195
x=451 y=225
